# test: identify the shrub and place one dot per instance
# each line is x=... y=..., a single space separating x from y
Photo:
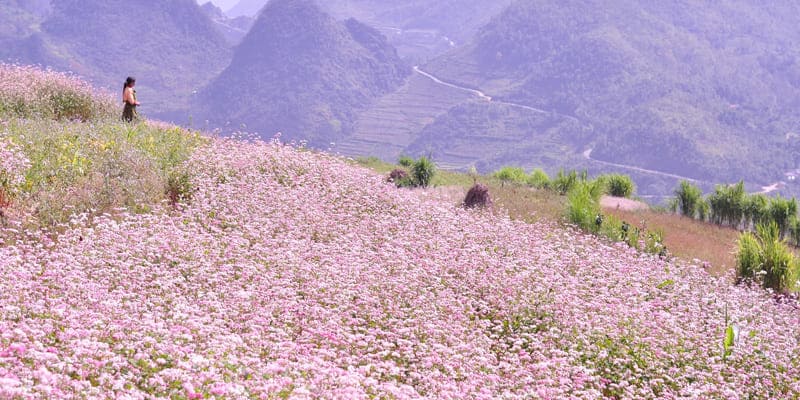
x=423 y=171
x=764 y=257
x=539 y=179
x=401 y=178
x=179 y=188
x=478 y=196
x=687 y=199
x=514 y=175
x=397 y=174
x=405 y=161
x=620 y=185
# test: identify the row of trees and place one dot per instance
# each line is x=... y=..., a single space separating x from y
x=731 y=205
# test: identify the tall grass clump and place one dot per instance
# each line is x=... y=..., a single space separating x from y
x=620 y=185
x=423 y=171
x=764 y=257
x=565 y=181
x=756 y=209
x=583 y=205
x=33 y=93
x=511 y=175
x=727 y=204
x=688 y=199
x=782 y=211
x=539 y=179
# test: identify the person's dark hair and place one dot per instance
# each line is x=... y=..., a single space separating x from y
x=128 y=82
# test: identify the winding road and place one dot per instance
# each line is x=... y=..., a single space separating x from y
x=586 y=154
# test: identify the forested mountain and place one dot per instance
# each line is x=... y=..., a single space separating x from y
x=301 y=72
x=170 y=46
x=703 y=89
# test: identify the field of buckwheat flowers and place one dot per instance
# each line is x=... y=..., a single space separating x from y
x=292 y=274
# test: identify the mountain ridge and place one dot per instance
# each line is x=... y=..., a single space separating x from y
x=303 y=73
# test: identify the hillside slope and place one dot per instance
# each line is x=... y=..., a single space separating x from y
x=700 y=89
x=287 y=273
x=303 y=73
x=292 y=273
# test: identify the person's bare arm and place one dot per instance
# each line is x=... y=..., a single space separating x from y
x=128 y=98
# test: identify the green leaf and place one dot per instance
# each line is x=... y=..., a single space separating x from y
x=665 y=284
x=727 y=343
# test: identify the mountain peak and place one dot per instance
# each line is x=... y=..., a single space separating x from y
x=301 y=72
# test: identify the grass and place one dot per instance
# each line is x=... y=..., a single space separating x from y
x=688 y=238
x=76 y=167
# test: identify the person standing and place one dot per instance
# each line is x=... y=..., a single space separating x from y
x=129 y=98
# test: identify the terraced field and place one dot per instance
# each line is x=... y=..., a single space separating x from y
x=394 y=122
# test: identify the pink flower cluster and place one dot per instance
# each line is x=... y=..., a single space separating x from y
x=294 y=275
x=13 y=163
x=29 y=91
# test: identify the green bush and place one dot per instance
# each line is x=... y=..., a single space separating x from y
x=406 y=161
x=687 y=199
x=513 y=175
x=423 y=171
x=764 y=257
x=620 y=185
x=539 y=179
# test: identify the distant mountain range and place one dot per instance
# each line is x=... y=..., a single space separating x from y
x=301 y=72
x=661 y=90
x=705 y=90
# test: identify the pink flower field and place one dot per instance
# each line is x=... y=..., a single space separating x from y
x=293 y=274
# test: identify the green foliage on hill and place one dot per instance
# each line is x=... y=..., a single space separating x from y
x=300 y=72
x=705 y=89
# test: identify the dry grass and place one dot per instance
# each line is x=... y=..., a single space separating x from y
x=527 y=204
x=688 y=238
